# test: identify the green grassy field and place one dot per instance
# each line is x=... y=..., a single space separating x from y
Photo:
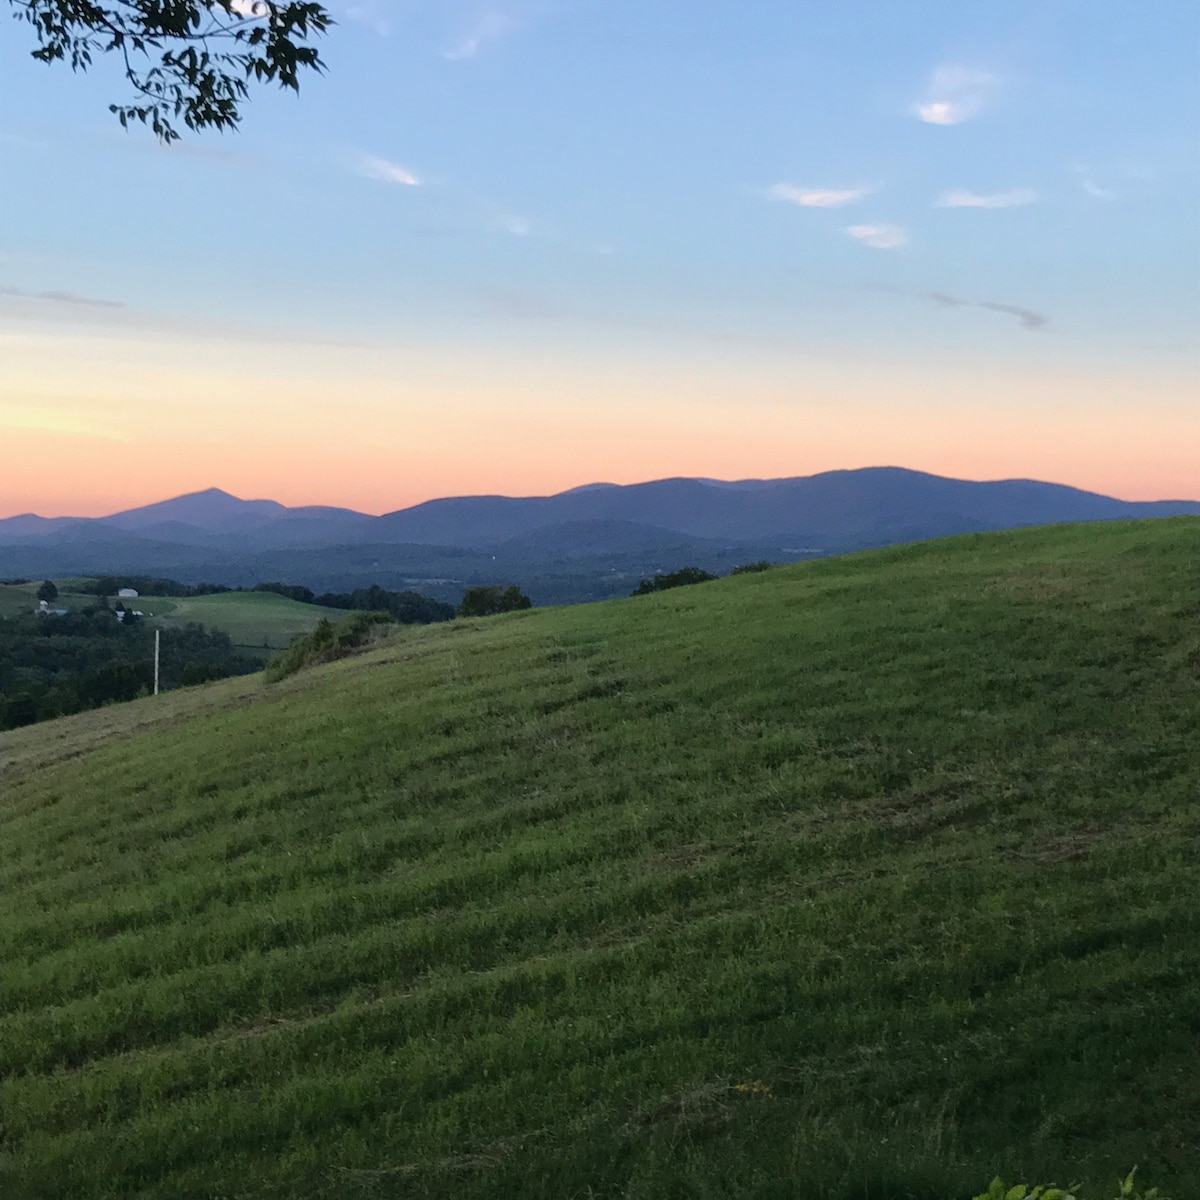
x=871 y=877
x=259 y=622
x=17 y=599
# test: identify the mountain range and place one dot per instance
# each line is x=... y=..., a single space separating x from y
x=585 y=543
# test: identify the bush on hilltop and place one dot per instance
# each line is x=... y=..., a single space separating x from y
x=327 y=643
x=681 y=578
x=489 y=599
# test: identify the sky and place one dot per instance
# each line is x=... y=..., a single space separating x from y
x=521 y=246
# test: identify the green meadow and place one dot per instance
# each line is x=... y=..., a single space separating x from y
x=259 y=622
x=868 y=878
x=18 y=599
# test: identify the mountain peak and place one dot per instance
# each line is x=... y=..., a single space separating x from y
x=212 y=509
x=214 y=493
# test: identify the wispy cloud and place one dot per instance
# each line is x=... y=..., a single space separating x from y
x=1033 y=321
x=376 y=15
x=59 y=297
x=961 y=198
x=881 y=237
x=387 y=171
x=816 y=197
x=955 y=94
x=487 y=29
x=1088 y=182
x=518 y=226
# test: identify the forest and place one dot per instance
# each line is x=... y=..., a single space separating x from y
x=52 y=665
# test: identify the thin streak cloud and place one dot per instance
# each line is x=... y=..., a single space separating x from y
x=1028 y=319
x=387 y=171
x=881 y=237
x=815 y=197
x=54 y=296
x=945 y=300
x=955 y=94
x=961 y=198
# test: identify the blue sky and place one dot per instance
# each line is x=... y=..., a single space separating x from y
x=702 y=230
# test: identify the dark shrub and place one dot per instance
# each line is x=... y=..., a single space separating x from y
x=681 y=578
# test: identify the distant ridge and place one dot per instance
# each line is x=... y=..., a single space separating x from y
x=215 y=510
x=584 y=543
x=870 y=506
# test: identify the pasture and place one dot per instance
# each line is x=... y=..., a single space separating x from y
x=862 y=879
x=21 y=598
x=258 y=622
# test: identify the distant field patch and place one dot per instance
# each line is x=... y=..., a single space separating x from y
x=16 y=599
x=256 y=621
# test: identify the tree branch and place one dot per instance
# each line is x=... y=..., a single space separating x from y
x=183 y=79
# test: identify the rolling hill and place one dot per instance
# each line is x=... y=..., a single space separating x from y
x=868 y=877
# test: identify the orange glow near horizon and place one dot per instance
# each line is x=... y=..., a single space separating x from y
x=90 y=425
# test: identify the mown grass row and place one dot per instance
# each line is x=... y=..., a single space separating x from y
x=866 y=878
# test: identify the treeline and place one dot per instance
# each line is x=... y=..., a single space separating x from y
x=148 y=585
x=409 y=608
x=51 y=666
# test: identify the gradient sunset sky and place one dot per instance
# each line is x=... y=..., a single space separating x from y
x=520 y=246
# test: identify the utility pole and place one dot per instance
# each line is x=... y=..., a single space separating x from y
x=157 y=639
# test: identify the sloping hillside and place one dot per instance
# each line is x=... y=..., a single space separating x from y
x=868 y=877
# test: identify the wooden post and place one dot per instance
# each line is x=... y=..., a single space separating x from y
x=157 y=637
